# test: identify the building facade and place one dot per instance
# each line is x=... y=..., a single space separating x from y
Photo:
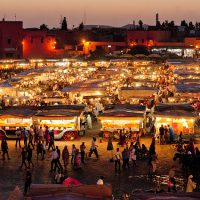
x=11 y=37
x=17 y=43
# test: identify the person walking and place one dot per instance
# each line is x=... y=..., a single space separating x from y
x=89 y=121
x=54 y=163
x=58 y=159
x=73 y=154
x=77 y=163
x=117 y=158
x=65 y=157
x=41 y=134
x=29 y=155
x=4 y=148
x=132 y=156
x=166 y=134
x=18 y=137
x=23 y=154
x=36 y=135
x=51 y=142
x=110 y=148
x=39 y=149
x=161 y=134
x=171 y=134
x=82 y=149
x=43 y=150
x=47 y=136
x=152 y=149
x=28 y=181
x=93 y=148
x=191 y=185
x=152 y=164
x=125 y=158
x=25 y=137
x=30 y=137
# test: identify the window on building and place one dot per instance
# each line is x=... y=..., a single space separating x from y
x=9 y=41
x=31 y=40
x=142 y=40
x=42 y=40
x=9 y=55
x=136 y=40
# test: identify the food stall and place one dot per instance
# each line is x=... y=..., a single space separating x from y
x=64 y=120
x=12 y=118
x=180 y=117
x=122 y=117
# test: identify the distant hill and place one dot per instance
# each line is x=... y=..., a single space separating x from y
x=127 y=26
x=131 y=26
x=89 y=27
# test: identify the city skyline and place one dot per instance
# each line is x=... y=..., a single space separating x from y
x=114 y=12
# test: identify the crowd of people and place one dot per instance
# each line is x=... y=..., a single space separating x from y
x=166 y=134
x=41 y=140
x=8 y=73
x=124 y=158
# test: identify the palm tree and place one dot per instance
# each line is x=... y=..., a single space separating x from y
x=64 y=24
x=140 y=24
x=44 y=27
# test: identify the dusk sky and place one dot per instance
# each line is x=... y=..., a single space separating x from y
x=102 y=12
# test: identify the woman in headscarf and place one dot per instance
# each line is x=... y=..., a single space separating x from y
x=65 y=157
x=110 y=148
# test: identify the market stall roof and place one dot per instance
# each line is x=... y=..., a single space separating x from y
x=5 y=84
x=140 y=56
x=175 y=110
x=13 y=80
x=154 y=56
x=96 y=96
x=142 y=98
x=130 y=107
x=82 y=89
x=56 y=114
x=77 y=107
x=32 y=71
x=70 y=89
x=186 y=73
x=17 y=112
x=139 y=88
x=58 y=111
x=188 y=88
x=123 y=111
x=174 y=107
x=189 y=80
x=126 y=56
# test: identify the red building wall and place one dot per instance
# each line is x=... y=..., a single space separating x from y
x=148 y=38
x=40 y=44
x=11 y=36
x=108 y=47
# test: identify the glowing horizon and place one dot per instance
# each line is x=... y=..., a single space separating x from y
x=110 y=12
